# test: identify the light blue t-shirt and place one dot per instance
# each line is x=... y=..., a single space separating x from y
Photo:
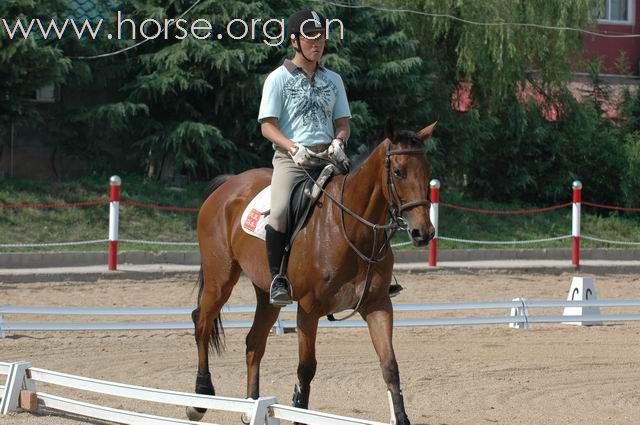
x=305 y=107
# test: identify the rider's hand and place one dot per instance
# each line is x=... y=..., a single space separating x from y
x=336 y=146
x=300 y=155
x=336 y=151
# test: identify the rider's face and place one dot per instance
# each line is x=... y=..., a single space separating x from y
x=312 y=45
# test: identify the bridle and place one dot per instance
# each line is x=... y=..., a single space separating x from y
x=395 y=207
x=398 y=208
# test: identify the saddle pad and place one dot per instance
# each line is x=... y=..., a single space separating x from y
x=256 y=216
x=301 y=204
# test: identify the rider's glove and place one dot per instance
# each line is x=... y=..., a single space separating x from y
x=336 y=151
x=300 y=155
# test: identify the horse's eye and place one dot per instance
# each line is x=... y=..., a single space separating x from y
x=397 y=173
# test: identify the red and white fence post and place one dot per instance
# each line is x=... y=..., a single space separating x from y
x=433 y=216
x=114 y=215
x=575 y=223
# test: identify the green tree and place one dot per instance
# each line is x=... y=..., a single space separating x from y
x=497 y=44
x=503 y=148
x=193 y=103
x=28 y=64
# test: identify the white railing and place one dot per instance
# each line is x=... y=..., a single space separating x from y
x=263 y=411
x=294 y=414
x=4 y=370
x=281 y=324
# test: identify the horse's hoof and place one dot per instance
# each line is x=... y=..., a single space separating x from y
x=245 y=418
x=402 y=419
x=195 y=414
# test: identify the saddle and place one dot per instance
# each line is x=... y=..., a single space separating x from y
x=301 y=205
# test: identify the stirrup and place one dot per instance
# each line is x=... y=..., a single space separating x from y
x=281 y=299
x=395 y=289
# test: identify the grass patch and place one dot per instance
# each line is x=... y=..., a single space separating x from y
x=88 y=223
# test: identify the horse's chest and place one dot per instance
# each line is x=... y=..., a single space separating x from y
x=344 y=298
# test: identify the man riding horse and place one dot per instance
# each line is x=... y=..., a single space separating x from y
x=304 y=109
x=341 y=259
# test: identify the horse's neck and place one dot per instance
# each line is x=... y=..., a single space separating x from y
x=364 y=189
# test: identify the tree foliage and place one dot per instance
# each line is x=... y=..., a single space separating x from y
x=189 y=106
x=497 y=44
x=26 y=65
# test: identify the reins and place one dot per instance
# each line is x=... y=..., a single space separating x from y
x=396 y=222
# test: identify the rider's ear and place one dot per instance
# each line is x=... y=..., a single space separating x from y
x=427 y=132
x=390 y=131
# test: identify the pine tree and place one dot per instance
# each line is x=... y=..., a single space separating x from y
x=28 y=64
x=192 y=104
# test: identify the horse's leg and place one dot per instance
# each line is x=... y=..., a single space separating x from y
x=265 y=316
x=307 y=331
x=379 y=318
x=216 y=285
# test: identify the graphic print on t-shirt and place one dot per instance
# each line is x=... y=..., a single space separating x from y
x=314 y=102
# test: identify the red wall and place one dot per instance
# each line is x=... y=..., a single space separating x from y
x=609 y=48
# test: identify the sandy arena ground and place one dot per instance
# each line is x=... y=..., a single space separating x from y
x=550 y=374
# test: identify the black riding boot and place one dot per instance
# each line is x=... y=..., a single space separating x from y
x=279 y=291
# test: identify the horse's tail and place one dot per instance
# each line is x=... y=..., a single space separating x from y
x=216 y=342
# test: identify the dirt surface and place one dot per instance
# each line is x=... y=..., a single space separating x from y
x=490 y=374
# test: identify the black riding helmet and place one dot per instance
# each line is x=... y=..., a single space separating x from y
x=312 y=20
x=304 y=20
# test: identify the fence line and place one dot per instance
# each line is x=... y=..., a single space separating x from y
x=280 y=325
x=115 y=203
x=592 y=238
x=479 y=242
x=506 y=212
x=263 y=411
x=575 y=236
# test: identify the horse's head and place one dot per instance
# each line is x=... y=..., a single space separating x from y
x=407 y=181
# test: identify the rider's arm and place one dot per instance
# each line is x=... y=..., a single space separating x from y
x=270 y=130
x=271 y=107
x=341 y=113
x=342 y=129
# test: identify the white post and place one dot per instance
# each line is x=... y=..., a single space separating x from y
x=433 y=216
x=13 y=386
x=260 y=414
x=278 y=329
x=114 y=218
x=575 y=223
x=521 y=311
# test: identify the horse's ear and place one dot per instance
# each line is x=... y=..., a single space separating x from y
x=390 y=131
x=426 y=132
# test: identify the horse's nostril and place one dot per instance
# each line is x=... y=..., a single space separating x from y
x=416 y=234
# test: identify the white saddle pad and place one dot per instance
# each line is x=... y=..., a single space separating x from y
x=256 y=215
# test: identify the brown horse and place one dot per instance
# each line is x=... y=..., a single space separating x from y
x=338 y=261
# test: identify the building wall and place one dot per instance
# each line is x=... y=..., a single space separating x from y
x=609 y=48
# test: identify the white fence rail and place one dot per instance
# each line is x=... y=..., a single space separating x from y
x=263 y=411
x=285 y=324
x=4 y=370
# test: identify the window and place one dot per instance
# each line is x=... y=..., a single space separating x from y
x=614 y=11
x=45 y=94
